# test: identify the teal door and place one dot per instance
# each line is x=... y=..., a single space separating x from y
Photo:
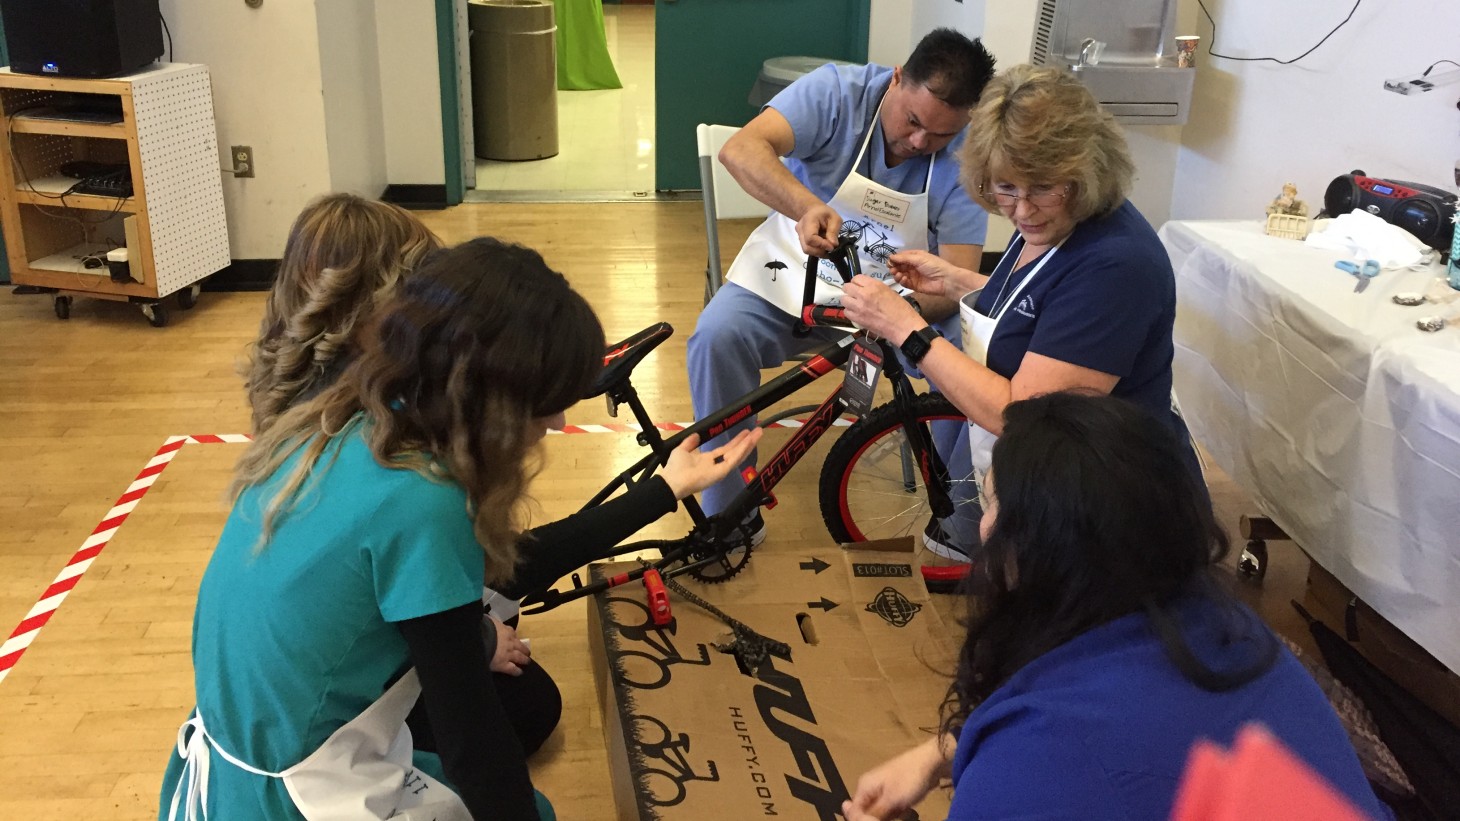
x=4 y=257
x=708 y=54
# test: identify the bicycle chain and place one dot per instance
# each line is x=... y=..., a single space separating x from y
x=753 y=647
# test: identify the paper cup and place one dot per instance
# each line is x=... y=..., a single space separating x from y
x=1186 y=50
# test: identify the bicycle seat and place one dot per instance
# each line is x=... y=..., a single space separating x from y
x=621 y=357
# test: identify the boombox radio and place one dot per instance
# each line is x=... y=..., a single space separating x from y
x=1422 y=210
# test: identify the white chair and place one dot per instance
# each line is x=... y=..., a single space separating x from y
x=724 y=198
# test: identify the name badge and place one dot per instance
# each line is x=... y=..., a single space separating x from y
x=885 y=207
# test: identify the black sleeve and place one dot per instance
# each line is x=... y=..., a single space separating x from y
x=479 y=750
x=558 y=548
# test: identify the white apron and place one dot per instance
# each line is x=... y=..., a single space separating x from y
x=772 y=266
x=977 y=331
x=362 y=771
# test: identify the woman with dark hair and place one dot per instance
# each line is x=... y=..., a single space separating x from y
x=1102 y=646
x=344 y=259
x=349 y=574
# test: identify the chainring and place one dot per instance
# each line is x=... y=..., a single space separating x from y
x=733 y=553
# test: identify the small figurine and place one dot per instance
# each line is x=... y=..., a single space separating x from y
x=1287 y=217
x=1287 y=203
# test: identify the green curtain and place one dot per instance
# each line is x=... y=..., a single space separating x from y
x=583 y=61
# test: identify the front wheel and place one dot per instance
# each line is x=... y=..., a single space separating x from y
x=871 y=485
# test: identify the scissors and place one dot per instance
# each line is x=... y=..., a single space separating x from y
x=1365 y=271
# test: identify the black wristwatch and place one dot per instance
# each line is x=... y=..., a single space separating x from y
x=918 y=343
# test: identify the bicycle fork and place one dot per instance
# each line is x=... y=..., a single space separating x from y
x=924 y=457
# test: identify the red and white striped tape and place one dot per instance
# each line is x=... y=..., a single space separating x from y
x=25 y=633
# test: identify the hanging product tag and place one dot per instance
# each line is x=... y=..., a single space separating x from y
x=864 y=368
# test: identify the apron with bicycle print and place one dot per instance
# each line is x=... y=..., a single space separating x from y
x=886 y=222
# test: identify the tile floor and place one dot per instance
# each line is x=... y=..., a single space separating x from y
x=605 y=138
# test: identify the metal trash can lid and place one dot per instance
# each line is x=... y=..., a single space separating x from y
x=509 y=16
x=791 y=69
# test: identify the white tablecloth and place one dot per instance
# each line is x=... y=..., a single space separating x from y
x=1332 y=409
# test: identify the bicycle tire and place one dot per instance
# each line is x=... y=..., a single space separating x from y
x=863 y=491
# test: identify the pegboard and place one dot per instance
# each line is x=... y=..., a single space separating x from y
x=182 y=184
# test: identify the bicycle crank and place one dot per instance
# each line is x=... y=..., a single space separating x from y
x=716 y=560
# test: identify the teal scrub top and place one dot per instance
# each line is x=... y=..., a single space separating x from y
x=293 y=641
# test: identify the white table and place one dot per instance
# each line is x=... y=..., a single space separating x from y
x=1332 y=409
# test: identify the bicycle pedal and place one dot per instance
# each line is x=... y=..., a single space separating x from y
x=658 y=598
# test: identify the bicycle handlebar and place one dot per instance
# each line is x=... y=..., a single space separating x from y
x=825 y=315
x=848 y=265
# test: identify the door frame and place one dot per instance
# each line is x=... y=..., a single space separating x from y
x=451 y=135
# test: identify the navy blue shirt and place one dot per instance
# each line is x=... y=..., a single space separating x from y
x=1106 y=301
x=1102 y=726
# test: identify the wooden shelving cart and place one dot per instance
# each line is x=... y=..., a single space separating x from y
x=68 y=145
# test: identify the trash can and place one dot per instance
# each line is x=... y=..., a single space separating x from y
x=779 y=72
x=514 y=80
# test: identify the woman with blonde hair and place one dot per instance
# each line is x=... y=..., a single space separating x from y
x=1084 y=297
x=343 y=258
x=348 y=577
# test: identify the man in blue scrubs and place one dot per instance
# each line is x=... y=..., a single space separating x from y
x=869 y=148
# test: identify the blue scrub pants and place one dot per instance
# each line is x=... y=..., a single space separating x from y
x=737 y=335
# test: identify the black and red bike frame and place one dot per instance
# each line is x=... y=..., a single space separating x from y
x=725 y=531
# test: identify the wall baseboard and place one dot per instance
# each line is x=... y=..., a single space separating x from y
x=415 y=197
x=244 y=275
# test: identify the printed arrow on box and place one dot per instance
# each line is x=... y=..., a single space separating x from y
x=825 y=604
x=815 y=565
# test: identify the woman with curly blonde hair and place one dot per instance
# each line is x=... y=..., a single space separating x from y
x=343 y=257
x=367 y=518
x=348 y=577
x=1084 y=298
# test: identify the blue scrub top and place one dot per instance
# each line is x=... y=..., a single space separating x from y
x=831 y=109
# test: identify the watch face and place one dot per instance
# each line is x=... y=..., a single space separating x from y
x=917 y=345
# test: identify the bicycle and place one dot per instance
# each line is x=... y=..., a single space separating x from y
x=881 y=478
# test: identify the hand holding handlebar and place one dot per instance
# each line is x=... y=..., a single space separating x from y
x=817 y=229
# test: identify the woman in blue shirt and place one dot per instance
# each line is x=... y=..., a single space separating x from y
x=1084 y=297
x=1103 y=646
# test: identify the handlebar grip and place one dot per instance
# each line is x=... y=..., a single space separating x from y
x=825 y=315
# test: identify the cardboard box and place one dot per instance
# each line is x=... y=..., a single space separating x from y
x=694 y=733
x=1383 y=644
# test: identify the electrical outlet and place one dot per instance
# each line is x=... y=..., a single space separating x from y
x=242 y=160
x=1419 y=83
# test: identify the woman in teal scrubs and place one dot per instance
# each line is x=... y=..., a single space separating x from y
x=348 y=578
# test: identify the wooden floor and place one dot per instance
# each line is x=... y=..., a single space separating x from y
x=90 y=712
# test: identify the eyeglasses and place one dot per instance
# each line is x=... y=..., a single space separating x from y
x=1039 y=196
